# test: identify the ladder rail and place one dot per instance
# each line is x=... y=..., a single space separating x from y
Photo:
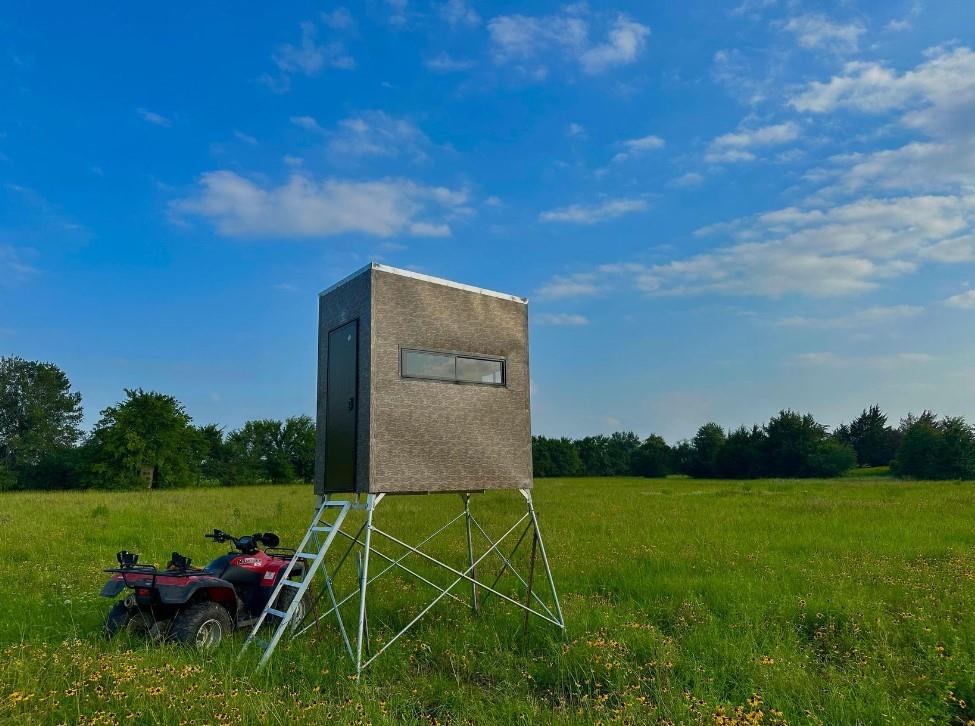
x=285 y=617
x=319 y=513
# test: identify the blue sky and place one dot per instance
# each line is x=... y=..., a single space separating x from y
x=717 y=210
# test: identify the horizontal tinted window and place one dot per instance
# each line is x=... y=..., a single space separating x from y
x=420 y=364
x=480 y=370
x=451 y=367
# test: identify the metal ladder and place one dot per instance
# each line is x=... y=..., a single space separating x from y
x=314 y=558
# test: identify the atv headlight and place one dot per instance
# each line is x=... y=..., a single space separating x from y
x=126 y=559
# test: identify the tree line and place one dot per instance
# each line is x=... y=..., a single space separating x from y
x=147 y=440
x=789 y=445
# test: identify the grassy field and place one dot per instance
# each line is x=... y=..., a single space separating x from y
x=832 y=602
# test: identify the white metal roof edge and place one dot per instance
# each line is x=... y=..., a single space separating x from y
x=425 y=278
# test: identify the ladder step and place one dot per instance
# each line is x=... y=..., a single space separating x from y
x=318 y=525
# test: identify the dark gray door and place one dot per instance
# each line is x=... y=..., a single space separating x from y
x=341 y=406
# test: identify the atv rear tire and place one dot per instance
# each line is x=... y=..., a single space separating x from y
x=123 y=619
x=202 y=625
x=284 y=601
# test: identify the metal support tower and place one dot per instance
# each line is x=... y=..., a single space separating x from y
x=318 y=584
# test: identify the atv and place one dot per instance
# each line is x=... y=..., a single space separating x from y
x=199 y=606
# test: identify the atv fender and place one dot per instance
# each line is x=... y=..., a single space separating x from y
x=113 y=587
x=216 y=589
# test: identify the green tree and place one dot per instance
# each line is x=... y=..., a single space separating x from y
x=743 y=454
x=706 y=446
x=555 y=457
x=542 y=465
x=146 y=440
x=917 y=455
x=298 y=443
x=681 y=457
x=875 y=443
x=258 y=453
x=620 y=449
x=652 y=458
x=565 y=458
x=956 y=453
x=215 y=454
x=40 y=417
x=792 y=439
x=932 y=449
x=594 y=454
x=829 y=458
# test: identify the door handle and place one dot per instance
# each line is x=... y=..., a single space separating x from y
x=351 y=402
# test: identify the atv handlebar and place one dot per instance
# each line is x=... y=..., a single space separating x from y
x=247 y=543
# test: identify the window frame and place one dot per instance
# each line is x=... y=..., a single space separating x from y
x=456 y=354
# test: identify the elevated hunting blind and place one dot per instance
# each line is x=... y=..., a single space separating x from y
x=423 y=387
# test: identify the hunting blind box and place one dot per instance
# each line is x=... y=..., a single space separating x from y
x=422 y=386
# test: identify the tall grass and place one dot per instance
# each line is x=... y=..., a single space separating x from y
x=687 y=601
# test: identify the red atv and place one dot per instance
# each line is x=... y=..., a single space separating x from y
x=199 y=606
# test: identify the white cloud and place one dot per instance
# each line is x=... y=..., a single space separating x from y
x=591 y=214
x=964 y=300
x=635 y=147
x=574 y=130
x=460 y=12
x=560 y=319
x=737 y=147
x=644 y=143
x=764 y=136
x=305 y=207
x=370 y=133
x=397 y=12
x=443 y=63
x=868 y=317
x=626 y=41
x=944 y=86
x=731 y=69
x=690 y=179
x=818 y=252
x=375 y=133
x=838 y=241
x=154 y=118
x=13 y=269
x=872 y=362
x=955 y=249
x=575 y=285
x=522 y=38
x=246 y=138
x=752 y=6
x=338 y=19
x=307 y=123
x=817 y=32
x=937 y=98
x=308 y=56
x=898 y=25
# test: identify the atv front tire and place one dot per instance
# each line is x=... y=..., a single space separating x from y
x=202 y=625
